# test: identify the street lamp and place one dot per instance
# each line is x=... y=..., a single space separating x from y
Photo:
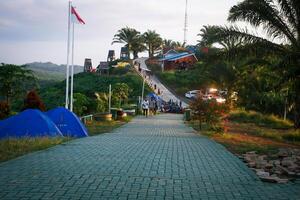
x=163 y=62
x=143 y=88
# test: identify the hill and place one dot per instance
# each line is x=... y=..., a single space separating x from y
x=88 y=83
x=50 y=72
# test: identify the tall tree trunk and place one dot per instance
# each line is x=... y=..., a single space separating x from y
x=149 y=50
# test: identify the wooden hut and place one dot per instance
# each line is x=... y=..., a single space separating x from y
x=178 y=61
x=111 y=56
x=103 y=68
x=124 y=54
x=88 y=65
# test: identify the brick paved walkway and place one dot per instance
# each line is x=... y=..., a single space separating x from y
x=154 y=158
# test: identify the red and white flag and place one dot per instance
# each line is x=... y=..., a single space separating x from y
x=75 y=17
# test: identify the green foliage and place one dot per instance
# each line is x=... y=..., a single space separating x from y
x=208 y=111
x=269 y=121
x=153 y=42
x=293 y=137
x=81 y=103
x=128 y=36
x=15 y=81
x=183 y=81
x=120 y=93
x=119 y=70
x=90 y=83
x=101 y=101
x=278 y=48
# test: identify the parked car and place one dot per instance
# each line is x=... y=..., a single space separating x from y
x=192 y=94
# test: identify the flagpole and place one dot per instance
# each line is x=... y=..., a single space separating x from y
x=72 y=68
x=68 y=54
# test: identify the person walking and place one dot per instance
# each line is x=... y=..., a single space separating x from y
x=145 y=107
x=152 y=105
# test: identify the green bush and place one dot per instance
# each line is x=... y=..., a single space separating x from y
x=210 y=112
x=293 y=137
x=89 y=83
x=259 y=119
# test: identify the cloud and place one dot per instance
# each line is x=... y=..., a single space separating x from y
x=39 y=27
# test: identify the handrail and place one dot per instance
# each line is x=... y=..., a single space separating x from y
x=86 y=117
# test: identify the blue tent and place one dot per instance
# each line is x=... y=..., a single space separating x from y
x=156 y=97
x=67 y=122
x=29 y=123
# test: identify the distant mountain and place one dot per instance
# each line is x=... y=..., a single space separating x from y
x=51 y=72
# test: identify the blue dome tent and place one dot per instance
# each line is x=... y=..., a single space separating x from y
x=67 y=122
x=156 y=97
x=29 y=123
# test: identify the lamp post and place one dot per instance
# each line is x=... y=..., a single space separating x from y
x=143 y=88
x=109 y=99
x=163 y=62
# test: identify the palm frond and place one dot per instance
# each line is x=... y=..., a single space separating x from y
x=263 y=13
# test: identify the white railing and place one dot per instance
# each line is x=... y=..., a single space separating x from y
x=86 y=118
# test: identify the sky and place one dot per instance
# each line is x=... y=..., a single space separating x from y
x=36 y=30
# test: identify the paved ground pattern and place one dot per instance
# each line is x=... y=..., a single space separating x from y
x=148 y=158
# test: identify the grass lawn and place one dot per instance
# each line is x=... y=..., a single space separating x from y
x=12 y=148
x=99 y=127
x=248 y=133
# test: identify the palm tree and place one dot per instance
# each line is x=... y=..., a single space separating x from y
x=178 y=45
x=127 y=36
x=209 y=36
x=137 y=47
x=167 y=43
x=153 y=42
x=280 y=22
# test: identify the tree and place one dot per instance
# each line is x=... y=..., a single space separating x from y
x=81 y=103
x=208 y=111
x=153 y=42
x=224 y=70
x=279 y=20
x=167 y=43
x=15 y=80
x=120 y=92
x=102 y=101
x=138 y=46
x=128 y=36
x=33 y=101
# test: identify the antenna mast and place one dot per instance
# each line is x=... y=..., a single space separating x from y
x=185 y=23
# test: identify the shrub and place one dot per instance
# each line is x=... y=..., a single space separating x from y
x=259 y=119
x=4 y=110
x=81 y=103
x=293 y=137
x=208 y=111
x=33 y=101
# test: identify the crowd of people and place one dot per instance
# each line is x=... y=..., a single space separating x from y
x=152 y=106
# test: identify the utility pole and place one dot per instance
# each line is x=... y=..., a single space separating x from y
x=162 y=61
x=185 y=23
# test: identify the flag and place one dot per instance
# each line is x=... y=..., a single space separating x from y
x=75 y=17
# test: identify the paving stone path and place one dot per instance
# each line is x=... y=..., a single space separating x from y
x=154 y=158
